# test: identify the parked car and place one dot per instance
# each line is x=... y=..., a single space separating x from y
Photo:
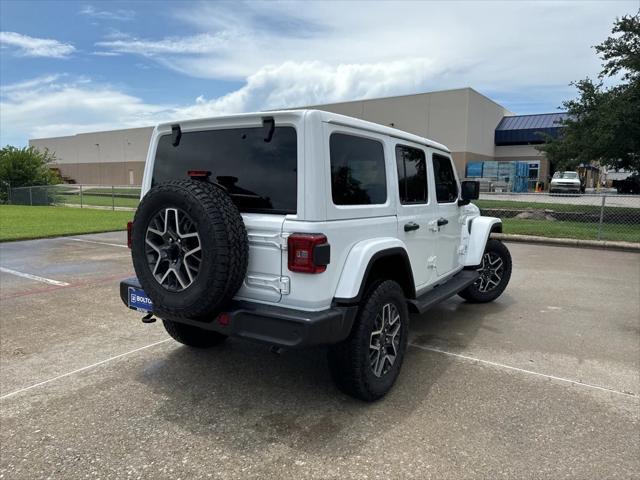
x=631 y=184
x=566 y=182
x=303 y=228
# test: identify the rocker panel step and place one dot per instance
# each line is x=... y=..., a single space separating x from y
x=441 y=292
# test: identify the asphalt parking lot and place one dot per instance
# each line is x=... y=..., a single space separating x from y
x=543 y=383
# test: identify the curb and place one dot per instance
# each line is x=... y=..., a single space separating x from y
x=569 y=242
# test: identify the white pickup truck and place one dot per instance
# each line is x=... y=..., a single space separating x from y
x=300 y=228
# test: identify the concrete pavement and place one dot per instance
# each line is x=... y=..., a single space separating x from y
x=542 y=383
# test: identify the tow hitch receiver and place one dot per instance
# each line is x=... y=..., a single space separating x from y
x=148 y=318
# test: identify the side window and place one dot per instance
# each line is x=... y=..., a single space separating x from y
x=446 y=186
x=357 y=170
x=412 y=174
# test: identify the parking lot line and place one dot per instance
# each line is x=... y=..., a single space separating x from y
x=36 y=291
x=102 y=362
x=522 y=370
x=99 y=243
x=34 y=277
x=420 y=347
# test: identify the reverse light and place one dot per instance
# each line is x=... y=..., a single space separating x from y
x=308 y=252
x=129 y=233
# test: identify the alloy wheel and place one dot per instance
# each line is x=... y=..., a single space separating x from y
x=491 y=272
x=173 y=249
x=385 y=340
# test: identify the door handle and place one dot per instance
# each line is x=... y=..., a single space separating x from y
x=409 y=227
x=442 y=222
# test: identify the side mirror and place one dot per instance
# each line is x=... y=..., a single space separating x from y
x=470 y=190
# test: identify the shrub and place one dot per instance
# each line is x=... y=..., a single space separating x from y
x=23 y=167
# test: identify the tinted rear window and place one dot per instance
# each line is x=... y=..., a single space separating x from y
x=260 y=176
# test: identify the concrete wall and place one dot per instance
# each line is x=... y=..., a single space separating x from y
x=109 y=158
x=110 y=173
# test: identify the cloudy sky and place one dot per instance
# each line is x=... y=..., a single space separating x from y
x=68 y=67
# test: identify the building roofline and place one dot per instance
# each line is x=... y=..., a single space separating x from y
x=537 y=114
x=312 y=106
x=92 y=133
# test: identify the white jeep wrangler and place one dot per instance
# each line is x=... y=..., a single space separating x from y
x=300 y=228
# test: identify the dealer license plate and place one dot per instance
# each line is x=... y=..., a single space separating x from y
x=138 y=300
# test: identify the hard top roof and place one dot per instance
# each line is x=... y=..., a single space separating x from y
x=324 y=116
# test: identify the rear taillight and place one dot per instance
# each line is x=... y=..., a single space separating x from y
x=129 y=233
x=308 y=252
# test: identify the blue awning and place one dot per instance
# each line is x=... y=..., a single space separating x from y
x=528 y=129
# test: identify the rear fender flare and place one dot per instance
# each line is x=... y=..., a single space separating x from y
x=358 y=264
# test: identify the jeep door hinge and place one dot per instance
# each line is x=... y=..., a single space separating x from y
x=462 y=250
x=268 y=239
x=431 y=262
x=281 y=285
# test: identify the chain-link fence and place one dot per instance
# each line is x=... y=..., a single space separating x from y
x=603 y=216
x=111 y=197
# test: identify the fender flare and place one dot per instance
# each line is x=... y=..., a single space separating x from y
x=480 y=229
x=358 y=265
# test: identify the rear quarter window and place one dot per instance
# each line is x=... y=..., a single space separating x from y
x=358 y=174
x=260 y=176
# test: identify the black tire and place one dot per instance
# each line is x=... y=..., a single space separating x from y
x=350 y=361
x=223 y=244
x=474 y=293
x=193 y=336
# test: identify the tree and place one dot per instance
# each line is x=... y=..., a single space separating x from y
x=604 y=122
x=21 y=167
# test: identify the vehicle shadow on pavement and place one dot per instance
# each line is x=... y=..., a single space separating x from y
x=247 y=398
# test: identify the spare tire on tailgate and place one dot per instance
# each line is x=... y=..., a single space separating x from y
x=189 y=248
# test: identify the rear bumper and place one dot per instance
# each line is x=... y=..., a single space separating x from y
x=274 y=325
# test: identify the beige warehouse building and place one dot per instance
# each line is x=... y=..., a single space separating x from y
x=473 y=126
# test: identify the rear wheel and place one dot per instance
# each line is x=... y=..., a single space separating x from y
x=367 y=363
x=189 y=248
x=495 y=272
x=193 y=336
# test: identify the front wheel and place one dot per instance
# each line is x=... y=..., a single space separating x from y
x=495 y=272
x=367 y=363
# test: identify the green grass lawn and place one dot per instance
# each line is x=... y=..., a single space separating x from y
x=97 y=200
x=579 y=230
x=557 y=207
x=19 y=222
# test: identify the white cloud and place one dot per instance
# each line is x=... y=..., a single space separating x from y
x=105 y=54
x=328 y=52
x=50 y=106
x=31 y=84
x=36 y=47
x=119 y=15
x=293 y=84
x=197 y=44
x=514 y=44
